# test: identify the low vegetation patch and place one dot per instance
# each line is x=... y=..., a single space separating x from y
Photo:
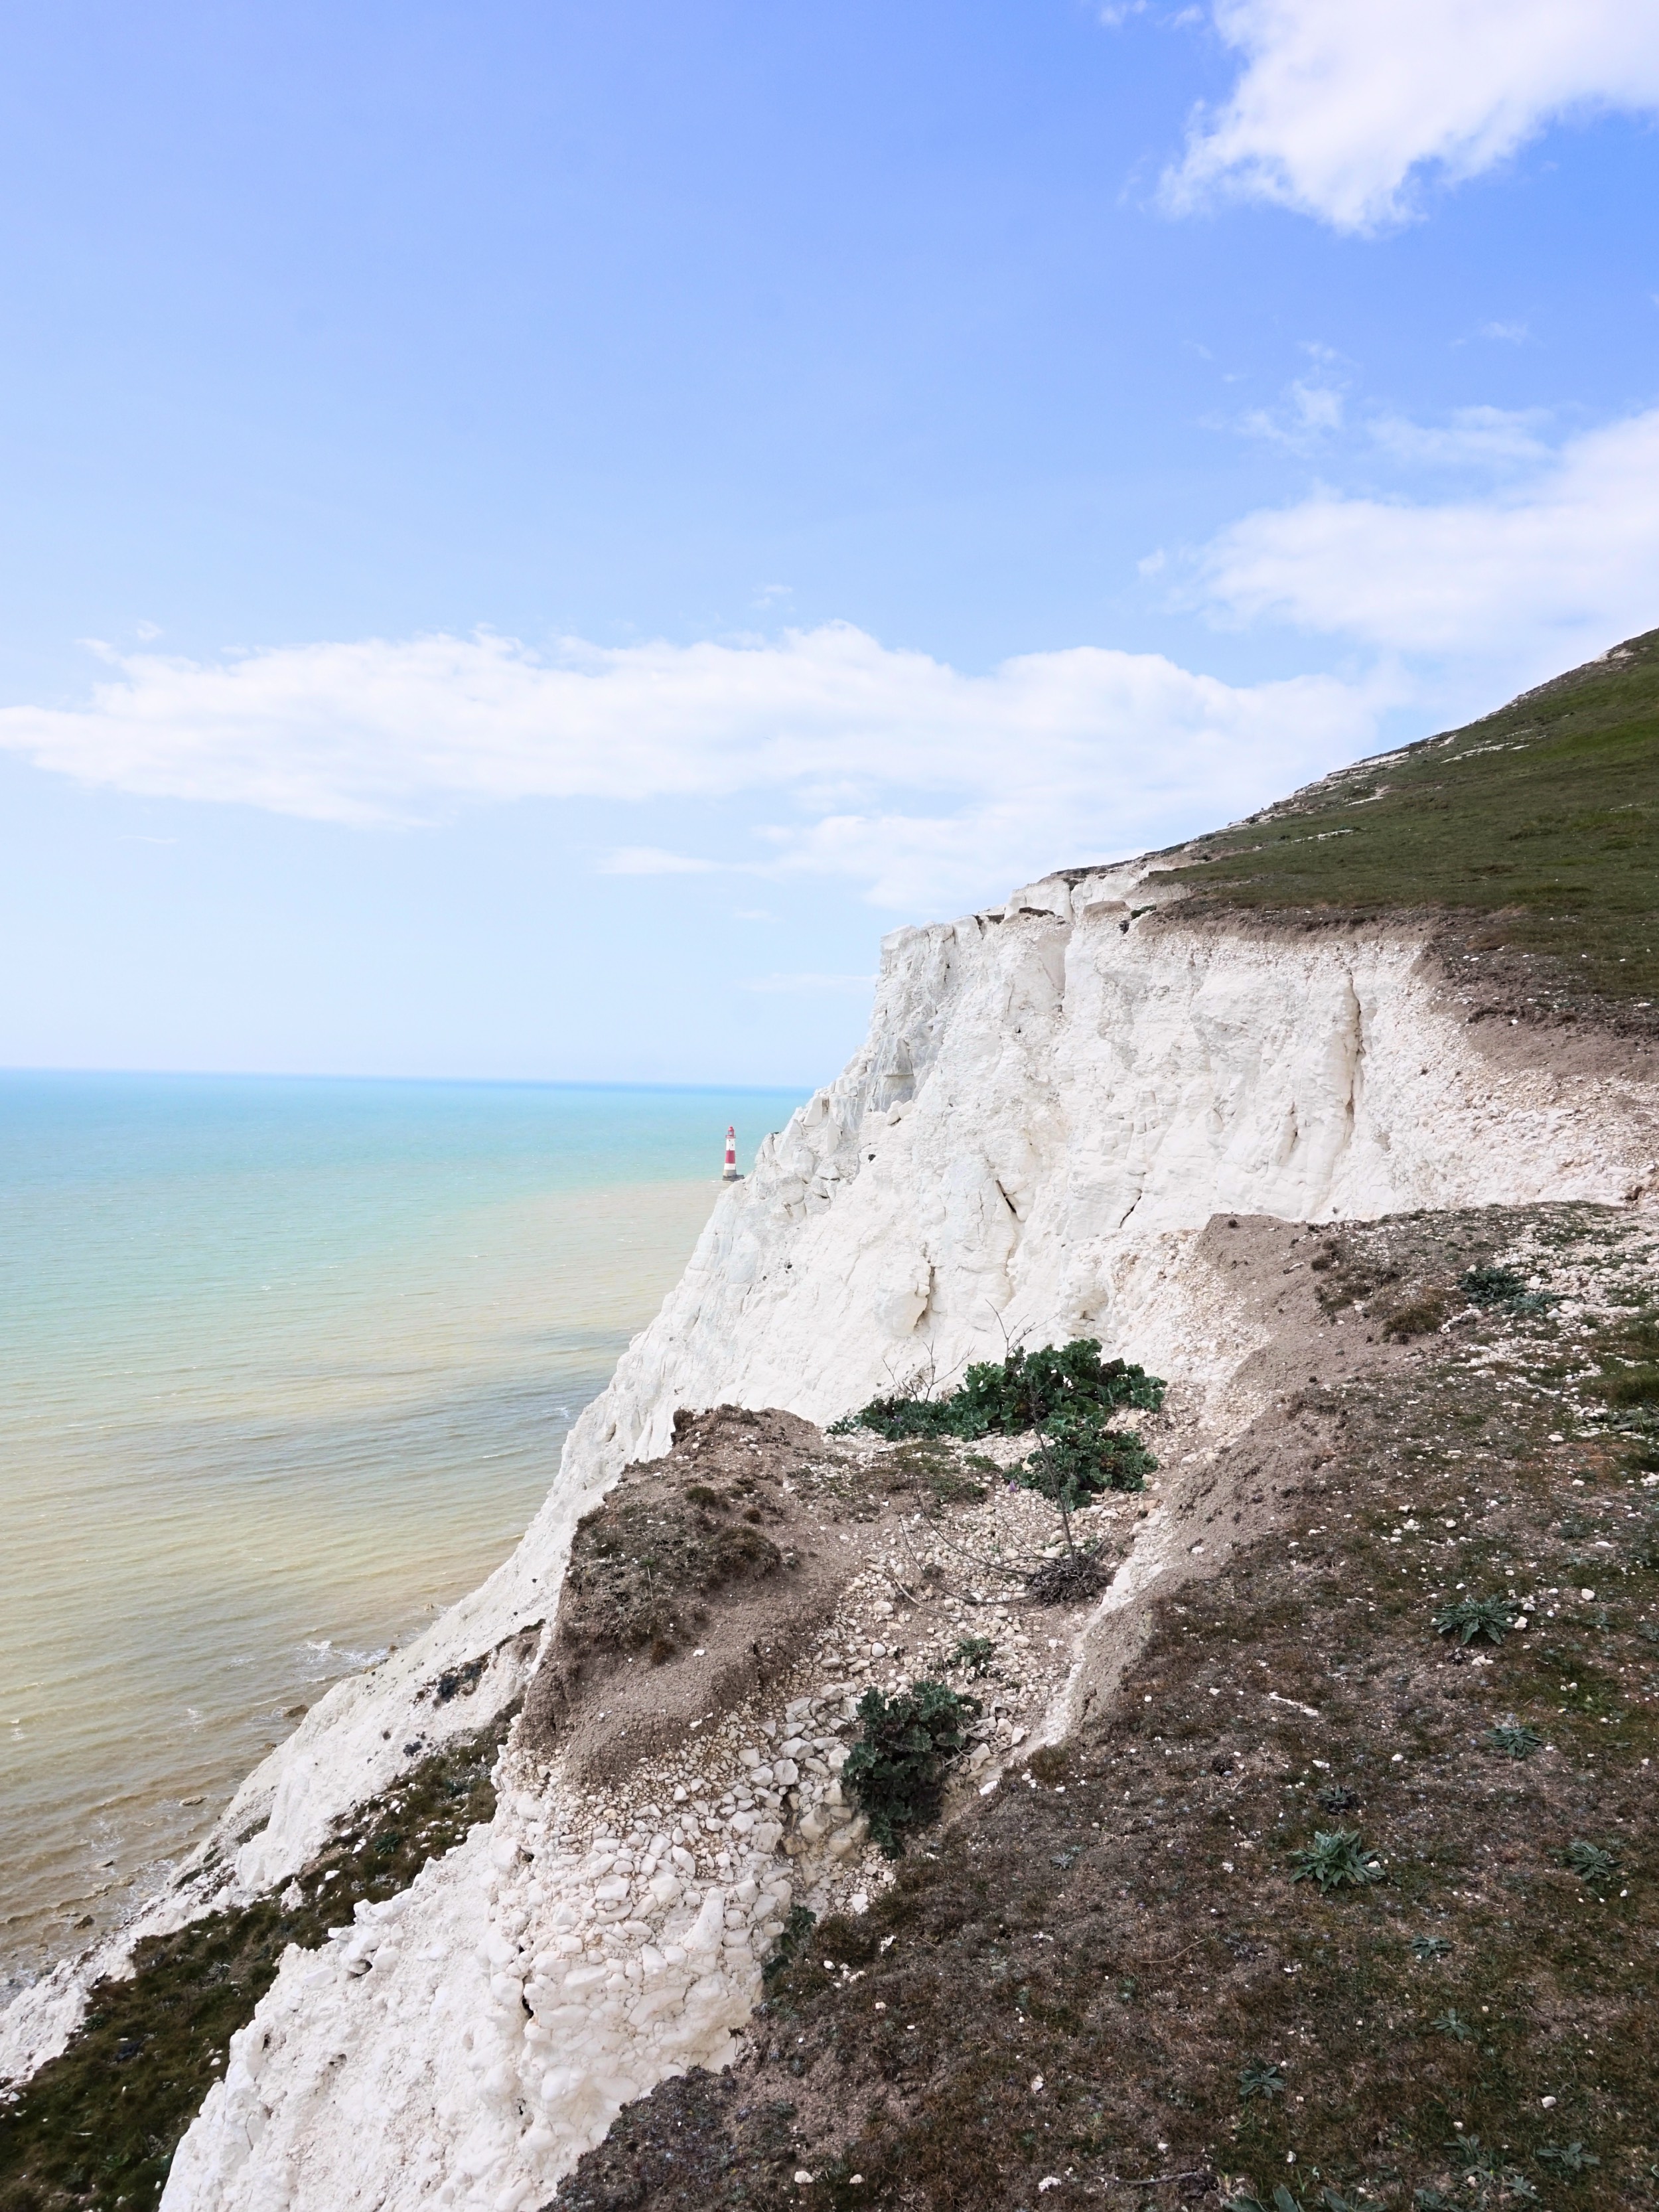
x=95 y=2129
x=1475 y=1619
x=1010 y=1396
x=1071 y=1577
x=1534 y=832
x=644 y=1563
x=895 y=1773
x=1335 y=1859
x=1514 y=1739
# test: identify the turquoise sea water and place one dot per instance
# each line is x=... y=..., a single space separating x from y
x=285 y=1367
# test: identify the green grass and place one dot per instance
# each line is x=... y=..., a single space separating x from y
x=96 y=2128
x=1540 y=823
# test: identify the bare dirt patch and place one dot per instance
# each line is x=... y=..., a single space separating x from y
x=700 y=1583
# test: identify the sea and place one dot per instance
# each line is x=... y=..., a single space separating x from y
x=285 y=1368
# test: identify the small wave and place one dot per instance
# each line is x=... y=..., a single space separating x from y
x=326 y=1654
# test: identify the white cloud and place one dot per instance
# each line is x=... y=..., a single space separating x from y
x=1475 y=437
x=1343 y=104
x=1553 y=565
x=886 y=768
x=1314 y=413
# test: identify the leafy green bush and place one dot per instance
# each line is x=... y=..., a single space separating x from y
x=1454 y=2025
x=1488 y=1619
x=1336 y=1859
x=1079 y=1457
x=895 y=1772
x=1009 y=1396
x=1492 y=1287
x=1430 y=1946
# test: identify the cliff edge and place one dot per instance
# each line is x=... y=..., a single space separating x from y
x=1123 y=1105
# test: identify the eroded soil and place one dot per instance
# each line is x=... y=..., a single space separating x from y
x=1103 y=1983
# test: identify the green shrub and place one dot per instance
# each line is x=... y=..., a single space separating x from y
x=1454 y=2025
x=1079 y=1457
x=1430 y=1946
x=895 y=1772
x=1492 y=1287
x=1486 y=1619
x=973 y=1653
x=1336 y=1859
x=1009 y=1396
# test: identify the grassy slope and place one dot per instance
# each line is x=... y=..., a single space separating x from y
x=1058 y=2002
x=96 y=2130
x=1537 y=828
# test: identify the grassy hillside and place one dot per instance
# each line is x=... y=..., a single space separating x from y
x=1110 y=1984
x=1535 y=830
x=96 y=2130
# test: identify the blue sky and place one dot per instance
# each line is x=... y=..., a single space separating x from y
x=534 y=534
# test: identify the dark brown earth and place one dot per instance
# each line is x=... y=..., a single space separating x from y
x=1103 y=1983
x=702 y=1578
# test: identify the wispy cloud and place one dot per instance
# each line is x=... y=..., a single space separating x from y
x=1475 y=437
x=1312 y=413
x=884 y=766
x=1343 y=107
x=1557 y=561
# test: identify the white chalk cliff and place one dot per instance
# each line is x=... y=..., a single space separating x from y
x=1053 y=1100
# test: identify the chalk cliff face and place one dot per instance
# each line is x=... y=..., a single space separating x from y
x=1052 y=1102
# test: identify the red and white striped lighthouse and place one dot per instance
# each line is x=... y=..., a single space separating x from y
x=730 y=1174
